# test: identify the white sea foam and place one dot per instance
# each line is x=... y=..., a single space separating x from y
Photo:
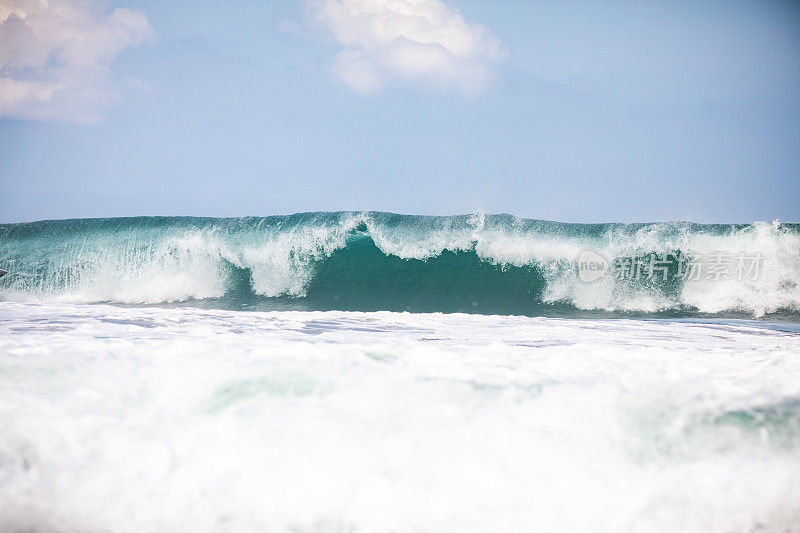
x=195 y=263
x=133 y=419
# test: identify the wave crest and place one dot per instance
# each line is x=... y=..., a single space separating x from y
x=368 y=261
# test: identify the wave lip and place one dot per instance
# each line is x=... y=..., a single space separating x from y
x=496 y=264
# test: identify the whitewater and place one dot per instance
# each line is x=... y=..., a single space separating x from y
x=488 y=264
x=380 y=372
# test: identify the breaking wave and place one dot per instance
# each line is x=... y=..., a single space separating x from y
x=492 y=264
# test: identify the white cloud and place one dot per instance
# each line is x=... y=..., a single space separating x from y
x=420 y=41
x=55 y=57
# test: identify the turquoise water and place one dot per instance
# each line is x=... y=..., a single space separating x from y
x=231 y=387
x=488 y=264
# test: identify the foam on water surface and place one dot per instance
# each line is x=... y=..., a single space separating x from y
x=489 y=264
x=146 y=419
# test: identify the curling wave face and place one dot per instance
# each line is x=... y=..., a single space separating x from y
x=490 y=264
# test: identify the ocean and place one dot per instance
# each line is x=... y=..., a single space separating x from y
x=381 y=372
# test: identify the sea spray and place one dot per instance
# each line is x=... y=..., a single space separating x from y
x=490 y=264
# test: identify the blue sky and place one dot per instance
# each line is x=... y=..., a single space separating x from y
x=572 y=111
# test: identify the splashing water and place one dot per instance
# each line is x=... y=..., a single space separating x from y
x=489 y=264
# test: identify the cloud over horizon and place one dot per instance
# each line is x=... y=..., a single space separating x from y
x=413 y=41
x=55 y=57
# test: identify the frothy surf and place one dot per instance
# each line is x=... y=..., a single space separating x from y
x=491 y=264
x=146 y=419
